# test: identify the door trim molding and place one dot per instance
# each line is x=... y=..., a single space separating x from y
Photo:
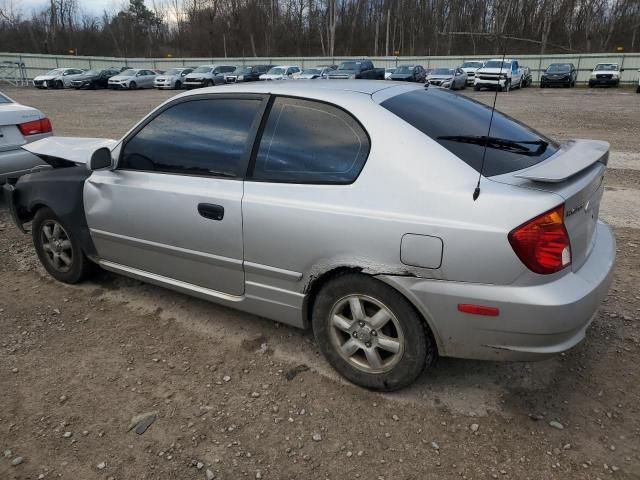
x=168 y=249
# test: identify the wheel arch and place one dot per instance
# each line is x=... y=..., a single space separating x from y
x=316 y=283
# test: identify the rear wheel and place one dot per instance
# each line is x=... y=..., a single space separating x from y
x=370 y=333
x=59 y=252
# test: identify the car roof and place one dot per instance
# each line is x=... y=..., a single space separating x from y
x=325 y=87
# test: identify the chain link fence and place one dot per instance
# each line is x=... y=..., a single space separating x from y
x=36 y=64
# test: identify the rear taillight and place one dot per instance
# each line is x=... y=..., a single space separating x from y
x=543 y=242
x=35 y=127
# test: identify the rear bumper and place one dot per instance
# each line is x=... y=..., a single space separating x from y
x=534 y=321
x=18 y=162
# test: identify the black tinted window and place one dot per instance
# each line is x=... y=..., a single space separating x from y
x=200 y=137
x=310 y=142
x=460 y=125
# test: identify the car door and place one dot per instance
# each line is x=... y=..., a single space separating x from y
x=172 y=206
x=309 y=154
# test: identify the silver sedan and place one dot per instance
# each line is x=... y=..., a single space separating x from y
x=280 y=199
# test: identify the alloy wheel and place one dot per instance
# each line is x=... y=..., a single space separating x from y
x=57 y=246
x=366 y=333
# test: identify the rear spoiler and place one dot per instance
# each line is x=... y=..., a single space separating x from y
x=573 y=157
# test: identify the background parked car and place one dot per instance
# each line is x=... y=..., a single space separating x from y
x=563 y=74
x=388 y=72
x=280 y=72
x=132 y=79
x=207 y=76
x=470 y=67
x=504 y=74
x=605 y=74
x=329 y=68
x=527 y=77
x=94 y=78
x=57 y=78
x=172 y=78
x=19 y=125
x=247 y=73
x=447 y=77
x=409 y=73
x=356 y=69
x=313 y=73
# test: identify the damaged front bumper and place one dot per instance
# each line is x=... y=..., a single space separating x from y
x=10 y=193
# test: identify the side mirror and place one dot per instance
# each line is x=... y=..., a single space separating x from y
x=100 y=159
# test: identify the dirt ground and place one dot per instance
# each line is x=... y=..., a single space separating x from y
x=237 y=396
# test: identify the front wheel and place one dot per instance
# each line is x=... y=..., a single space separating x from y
x=178 y=85
x=476 y=88
x=507 y=86
x=58 y=250
x=370 y=333
x=133 y=86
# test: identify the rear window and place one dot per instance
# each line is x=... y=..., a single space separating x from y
x=460 y=125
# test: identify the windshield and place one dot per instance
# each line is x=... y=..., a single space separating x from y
x=511 y=145
x=390 y=70
x=202 y=70
x=311 y=71
x=497 y=64
x=128 y=73
x=91 y=72
x=472 y=64
x=242 y=70
x=4 y=99
x=349 y=66
x=276 y=71
x=55 y=71
x=559 y=67
x=442 y=71
x=404 y=69
x=607 y=66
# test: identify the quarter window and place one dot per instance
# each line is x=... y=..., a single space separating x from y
x=310 y=142
x=198 y=137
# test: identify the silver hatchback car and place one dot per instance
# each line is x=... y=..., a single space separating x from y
x=348 y=206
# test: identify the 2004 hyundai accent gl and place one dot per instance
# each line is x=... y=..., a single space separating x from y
x=347 y=206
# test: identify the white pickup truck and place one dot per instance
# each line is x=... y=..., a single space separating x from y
x=497 y=73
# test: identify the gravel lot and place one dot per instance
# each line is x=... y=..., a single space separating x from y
x=237 y=396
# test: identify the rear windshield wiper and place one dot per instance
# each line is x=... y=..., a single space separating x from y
x=516 y=146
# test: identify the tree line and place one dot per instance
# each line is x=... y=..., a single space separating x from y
x=264 y=28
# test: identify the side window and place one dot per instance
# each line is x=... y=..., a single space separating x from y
x=310 y=142
x=197 y=137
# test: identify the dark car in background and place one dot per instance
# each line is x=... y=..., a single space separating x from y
x=357 y=69
x=246 y=73
x=95 y=78
x=559 y=74
x=409 y=73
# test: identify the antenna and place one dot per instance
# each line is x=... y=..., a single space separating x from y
x=476 y=192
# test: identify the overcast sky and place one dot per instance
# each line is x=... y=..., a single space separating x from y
x=93 y=7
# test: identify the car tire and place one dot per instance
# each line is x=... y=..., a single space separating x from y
x=209 y=83
x=638 y=89
x=347 y=344
x=507 y=86
x=476 y=88
x=59 y=85
x=133 y=85
x=58 y=250
x=177 y=85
